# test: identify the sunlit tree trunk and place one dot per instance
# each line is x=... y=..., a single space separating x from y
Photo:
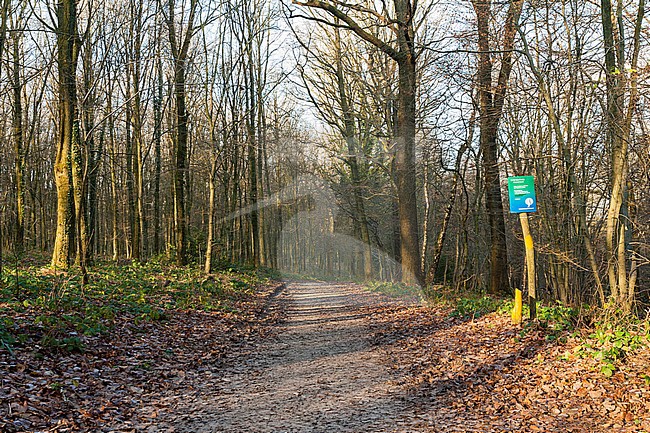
x=89 y=106
x=68 y=132
x=113 y=177
x=618 y=121
x=18 y=139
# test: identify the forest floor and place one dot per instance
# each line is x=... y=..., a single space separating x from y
x=327 y=357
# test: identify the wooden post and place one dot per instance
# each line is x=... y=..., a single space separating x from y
x=530 y=265
x=516 y=313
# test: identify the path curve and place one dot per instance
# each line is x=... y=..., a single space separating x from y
x=318 y=375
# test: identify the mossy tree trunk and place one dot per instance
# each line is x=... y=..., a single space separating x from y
x=67 y=54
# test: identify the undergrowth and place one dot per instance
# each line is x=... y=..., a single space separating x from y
x=394 y=289
x=53 y=310
x=601 y=338
x=611 y=344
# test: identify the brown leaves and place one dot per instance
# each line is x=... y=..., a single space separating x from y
x=120 y=377
x=486 y=374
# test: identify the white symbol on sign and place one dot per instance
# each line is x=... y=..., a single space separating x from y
x=529 y=202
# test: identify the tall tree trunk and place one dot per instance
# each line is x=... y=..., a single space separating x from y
x=67 y=52
x=132 y=237
x=134 y=133
x=138 y=226
x=491 y=100
x=180 y=45
x=4 y=18
x=251 y=115
x=207 y=268
x=18 y=138
x=405 y=144
x=618 y=121
x=180 y=165
x=113 y=179
x=80 y=193
x=94 y=154
x=157 y=104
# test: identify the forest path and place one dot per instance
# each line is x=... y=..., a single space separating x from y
x=318 y=375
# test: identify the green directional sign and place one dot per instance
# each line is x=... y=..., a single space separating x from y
x=521 y=190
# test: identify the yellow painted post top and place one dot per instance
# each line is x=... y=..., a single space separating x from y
x=517 y=311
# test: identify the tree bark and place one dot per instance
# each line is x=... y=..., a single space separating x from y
x=491 y=100
x=207 y=268
x=618 y=121
x=157 y=107
x=180 y=45
x=94 y=154
x=67 y=53
x=18 y=138
x=180 y=165
x=135 y=76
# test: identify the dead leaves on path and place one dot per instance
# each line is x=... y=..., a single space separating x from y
x=123 y=380
x=484 y=375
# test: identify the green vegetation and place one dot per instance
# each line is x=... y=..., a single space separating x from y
x=611 y=344
x=557 y=317
x=393 y=289
x=475 y=307
x=38 y=305
x=606 y=340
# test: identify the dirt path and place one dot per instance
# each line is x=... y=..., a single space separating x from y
x=318 y=375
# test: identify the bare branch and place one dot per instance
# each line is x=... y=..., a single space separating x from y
x=351 y=25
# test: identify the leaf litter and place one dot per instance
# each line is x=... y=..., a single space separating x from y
x=113 y=381
x=487 y=375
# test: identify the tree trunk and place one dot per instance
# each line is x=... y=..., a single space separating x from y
x=94 y=155
x=618 y=132
x=405 y=144
x=180 y=165
x=207 y=268
x=4 y=18
x=157 y=104
x=132 y=238
x=491 y=100
x=19 y=137
x=179 y=53
x=113 y=179
x=252 y=158
x=67 y=47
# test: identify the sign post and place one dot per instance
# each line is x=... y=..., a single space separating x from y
x=521 y=191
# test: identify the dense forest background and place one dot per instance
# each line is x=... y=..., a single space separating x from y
x=365 y=140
